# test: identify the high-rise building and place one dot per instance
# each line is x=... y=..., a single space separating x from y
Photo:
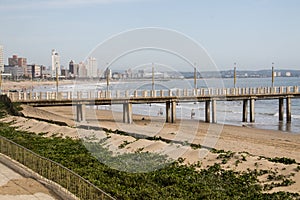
x=71 y=67
x=1 y=59
x=55 y=63
x=13 y=61
x=82 y=71
x=74 y=68
x=34 y=71
x=91 y=67
x=20 y=62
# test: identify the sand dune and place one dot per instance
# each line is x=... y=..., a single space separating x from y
x=249 y=145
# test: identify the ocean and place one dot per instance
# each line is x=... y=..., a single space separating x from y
x=228 y=112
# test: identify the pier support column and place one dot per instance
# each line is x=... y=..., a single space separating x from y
x=252 y=110
x=207 y=111
x=124 y=112
x=245 y=110
x=288 y=110
x=80 y=113
x=127 y=113
x=83 y=119
x=168 y=111
x=173 y=112
x=281 y=109
x=214 y=111
x=77 y=113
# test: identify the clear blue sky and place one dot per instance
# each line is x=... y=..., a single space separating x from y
x=253 y=33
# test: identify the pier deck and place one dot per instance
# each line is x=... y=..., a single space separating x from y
x=169 y=97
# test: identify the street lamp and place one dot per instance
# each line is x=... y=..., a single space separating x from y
x=152 y=76
x=56 y=70
x=107 y=79
x=234 y=75
x=273 y=75
x=195 y=76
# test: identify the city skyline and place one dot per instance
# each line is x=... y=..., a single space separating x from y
x=254 y=34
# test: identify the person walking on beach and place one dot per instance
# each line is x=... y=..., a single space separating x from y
x=192 y=114
x=160 y=112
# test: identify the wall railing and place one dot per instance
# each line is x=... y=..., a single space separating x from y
x=52 y=171
x=119 y=94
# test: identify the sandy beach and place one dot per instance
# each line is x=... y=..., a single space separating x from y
x=251 y=147
x=29 y=85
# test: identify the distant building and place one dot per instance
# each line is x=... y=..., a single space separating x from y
x=141 y=73
x=107 y=73
x=65 y=72
x=13 y=61
x=20 y=62
x=46 y=73
x=92 y=67
x=71 y=67
x=15 y=71
x=74 y=69
x=34 y=71
x=82 y=72
x=1 y=59
x=288 y=74
x=55 y=63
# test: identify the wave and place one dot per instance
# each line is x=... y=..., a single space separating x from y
x=296 y=116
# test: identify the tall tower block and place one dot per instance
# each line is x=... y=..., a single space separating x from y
x=55 y=63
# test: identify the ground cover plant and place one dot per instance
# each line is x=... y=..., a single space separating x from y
x=173 y=181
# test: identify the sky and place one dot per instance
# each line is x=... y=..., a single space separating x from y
x=252 y=33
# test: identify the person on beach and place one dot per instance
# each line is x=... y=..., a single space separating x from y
x=192 y=114
x=160 y=112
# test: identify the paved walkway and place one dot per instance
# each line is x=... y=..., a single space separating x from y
x=14 y=186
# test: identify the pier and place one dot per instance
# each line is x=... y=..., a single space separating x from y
x=170 y=98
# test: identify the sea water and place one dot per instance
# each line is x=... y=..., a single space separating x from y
x=228 y=112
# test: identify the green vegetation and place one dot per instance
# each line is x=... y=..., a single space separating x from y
x=169 y=180
x=287 y=161
x=224 y=155
x=195 y=146
x=124 y=144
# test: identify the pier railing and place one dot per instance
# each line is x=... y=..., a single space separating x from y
x=52 y=171
x=121 y=94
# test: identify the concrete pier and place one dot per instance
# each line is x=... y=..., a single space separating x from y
x=207 y=111
x=281 y=109
x=169 y=97
x=252 y=110
x=288 y=110
x=80 y=113
x=173 y=112
x=170 y=112
x=214 y=111
x=245 y=110
x=127 y=113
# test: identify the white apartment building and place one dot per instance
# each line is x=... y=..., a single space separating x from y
x=55 y=63
x=92 y=67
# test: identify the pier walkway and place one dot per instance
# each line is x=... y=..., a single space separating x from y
x=169 y=97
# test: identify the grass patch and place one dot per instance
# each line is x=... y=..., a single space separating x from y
x=284 y=160
x=124 y=144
